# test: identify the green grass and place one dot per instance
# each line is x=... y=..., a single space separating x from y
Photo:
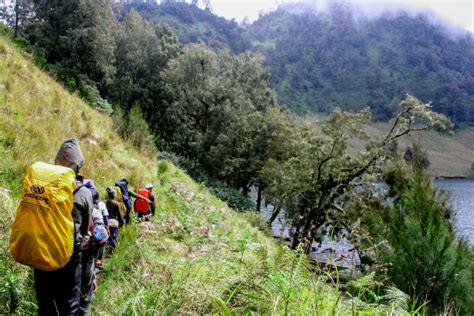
x=197 y=256
x=449 y=155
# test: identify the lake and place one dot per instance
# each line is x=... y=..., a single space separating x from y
x=462 y=199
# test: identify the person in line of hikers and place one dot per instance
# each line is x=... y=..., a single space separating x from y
x=58 y=291
x=145 y=202
x=96 y=238
x=152 y=208
x=115 y=219
x=125 y=193
x=105 y=215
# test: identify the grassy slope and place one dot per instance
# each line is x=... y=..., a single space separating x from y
x=196 y=256
x=449 y=155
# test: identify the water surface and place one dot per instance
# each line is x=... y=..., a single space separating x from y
x=462 y=200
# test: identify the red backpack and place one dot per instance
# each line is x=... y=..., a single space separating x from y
x=141 y=205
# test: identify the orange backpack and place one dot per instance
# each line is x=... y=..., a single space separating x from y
x=142 y=205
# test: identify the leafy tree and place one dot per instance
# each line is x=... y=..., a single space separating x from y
x=208 y=5
x=17 y=15
x=77 y=37
x=416 y=156
x=311 y=167
x=142 y=52
x=218 y=112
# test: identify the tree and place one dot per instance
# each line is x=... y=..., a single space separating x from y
x=77 y=36
x=416 y=156
x=311 y=166
x=218 y=113
x=207 y=5
x=423 y=257
x=17 y=15
x=142 y=53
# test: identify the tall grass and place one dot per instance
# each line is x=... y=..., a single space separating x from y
x=36 y=116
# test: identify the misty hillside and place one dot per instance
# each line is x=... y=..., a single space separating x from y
x=319 y=61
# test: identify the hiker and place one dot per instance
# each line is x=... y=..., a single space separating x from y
x=123 y=186
x=105 y=215
x=58 y=291
x=96 y=238
x=152 y=208
x=115 y=219
x=145 y=202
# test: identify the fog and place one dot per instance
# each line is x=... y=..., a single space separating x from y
x=457 y=19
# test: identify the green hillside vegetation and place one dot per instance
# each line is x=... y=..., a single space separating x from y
x=322 y=60
x=319 y=61
x=196 y=256
x=215 y=115
x=193 y=25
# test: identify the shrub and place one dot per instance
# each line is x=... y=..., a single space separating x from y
x=424 y=258
x=133 y=127
x=232 y=196
x=91 y=94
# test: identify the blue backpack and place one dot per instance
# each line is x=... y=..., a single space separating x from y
x=123 y=185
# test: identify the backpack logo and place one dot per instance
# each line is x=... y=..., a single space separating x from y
x=37 y=189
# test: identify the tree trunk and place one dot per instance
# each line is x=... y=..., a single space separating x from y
x=259 y=198
x=296 y=236
x=275 y=213
x=245 y=189
x=17 y=15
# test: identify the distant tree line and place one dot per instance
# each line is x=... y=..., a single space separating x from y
x=320 y=61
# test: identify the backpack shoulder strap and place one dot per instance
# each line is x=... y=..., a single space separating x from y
x=77 y=189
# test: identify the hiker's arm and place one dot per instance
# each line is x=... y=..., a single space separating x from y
x=143 y=198
x=152 y=204
x=132 y=194
x=83 y=206
x=120 y=217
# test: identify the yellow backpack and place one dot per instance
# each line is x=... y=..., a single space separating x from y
x=119 y=200
x=42 y=234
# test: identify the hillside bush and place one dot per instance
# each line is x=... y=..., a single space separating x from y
x=91 y=94
x=133 y=127
x=223 y=191
x=424 y=258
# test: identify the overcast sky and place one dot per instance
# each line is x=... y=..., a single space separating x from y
x=458 y=12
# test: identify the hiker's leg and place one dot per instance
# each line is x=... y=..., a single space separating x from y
x=101 y=253
x=112 y=241
x=44 y=287
x=87 y=279
x=69 y=291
